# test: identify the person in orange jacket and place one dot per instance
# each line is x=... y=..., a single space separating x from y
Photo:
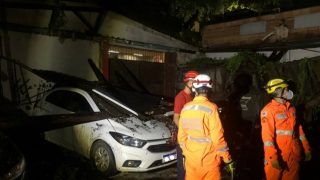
x=183 y=97
x=200 y=135
x=282 y=134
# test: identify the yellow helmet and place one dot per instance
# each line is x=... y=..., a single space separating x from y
x=273 y=84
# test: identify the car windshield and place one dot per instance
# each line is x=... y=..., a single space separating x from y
x=111 y=105
x=139 y=102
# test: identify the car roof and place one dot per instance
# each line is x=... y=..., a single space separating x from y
x=136 y=100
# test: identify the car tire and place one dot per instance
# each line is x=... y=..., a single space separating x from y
x=103 y=159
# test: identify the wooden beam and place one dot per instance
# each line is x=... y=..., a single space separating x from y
x=84 y=21
x=86 y=7
x=46 y=31
x=54 y=16
x=92 y=37
x=312 y=43
x=277 y=55
x=99 y=21
x=271 y=32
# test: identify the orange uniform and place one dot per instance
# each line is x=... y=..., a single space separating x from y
x=201 y=138
x=283 y=140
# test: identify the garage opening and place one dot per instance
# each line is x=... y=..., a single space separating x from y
x=142 y=70
x=134 y=54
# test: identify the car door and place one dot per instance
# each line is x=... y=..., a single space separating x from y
x=66 y=101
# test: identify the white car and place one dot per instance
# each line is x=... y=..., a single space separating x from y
x=120 y=139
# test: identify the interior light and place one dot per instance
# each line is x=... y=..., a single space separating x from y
x=113 y=51
x=136 y=54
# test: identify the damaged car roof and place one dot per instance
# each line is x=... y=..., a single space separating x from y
x=138 y=101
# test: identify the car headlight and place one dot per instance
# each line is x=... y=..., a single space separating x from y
x=128 y=140
x=16 y=171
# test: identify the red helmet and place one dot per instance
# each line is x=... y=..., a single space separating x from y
x=190 y=75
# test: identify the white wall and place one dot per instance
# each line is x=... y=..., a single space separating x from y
x=291 y=55
x=51 y=53
x=220 y=55
x=118 y=26
x=114 y=25
x=298 y=54
x=183 y=58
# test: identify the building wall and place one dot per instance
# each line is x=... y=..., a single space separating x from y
x=118 y=26
x=114 y=26
x=69 y=55
x=51 y=53
x=291 y=55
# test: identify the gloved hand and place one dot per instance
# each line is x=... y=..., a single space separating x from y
x=231 y=167
x=276 y=164
x=308 y=156
x=174 y=135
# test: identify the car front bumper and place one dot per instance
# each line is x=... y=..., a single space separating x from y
x=151 y=156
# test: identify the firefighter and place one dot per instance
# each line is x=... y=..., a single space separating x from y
x=282 y=134
x=184 y=96
x=200 y=135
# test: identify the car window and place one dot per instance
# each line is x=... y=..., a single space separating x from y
x=106 y=106
x=70 y=101
x=113 y=109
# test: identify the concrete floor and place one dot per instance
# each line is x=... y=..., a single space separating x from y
x=48 y=161
x=164 y=173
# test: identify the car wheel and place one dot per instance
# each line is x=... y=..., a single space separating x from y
x=103 y=158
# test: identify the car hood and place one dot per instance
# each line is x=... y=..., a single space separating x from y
x=149 y=130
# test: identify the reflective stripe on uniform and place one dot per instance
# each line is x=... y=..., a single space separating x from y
x=281 y=116
x=268 y=143
x=197 y=107
x=191 y=124
x=223 y=149
x=200 y=139
x=284 y=132
x=302 y=138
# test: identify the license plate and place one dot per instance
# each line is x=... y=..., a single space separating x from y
x=169 y=157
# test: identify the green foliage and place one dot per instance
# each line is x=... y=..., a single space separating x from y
x=303 y=80
x=234 y=64
x=191 y=37
x=235 y=61
x=257 y=60
x=203 y=10
x=200 y=9
x=302 y=73
x=316 y=114
x=261 y=6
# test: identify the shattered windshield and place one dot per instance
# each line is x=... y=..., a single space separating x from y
x=111 y=105
x=115 y=101
x=139 y=102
